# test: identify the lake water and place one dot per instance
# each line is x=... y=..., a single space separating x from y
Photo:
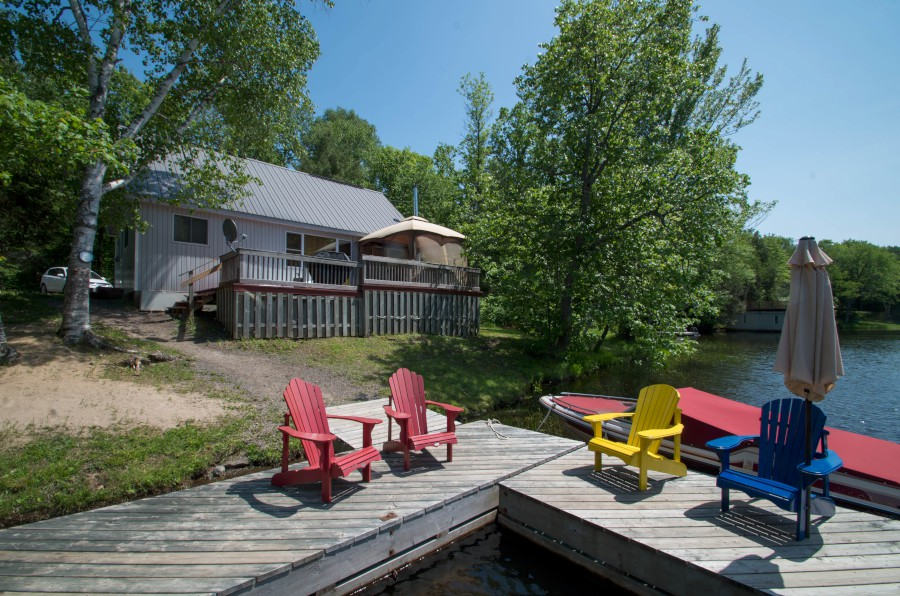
x=735 y=365
x=491 y=561
x=739 y=366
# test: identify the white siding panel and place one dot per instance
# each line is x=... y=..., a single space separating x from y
x=164 y=263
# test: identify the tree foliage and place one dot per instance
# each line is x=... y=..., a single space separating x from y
x=221 y=75
x=863 y=276
x=615 y=177
x=396 y=171
x=340 y=145
x=43 y=149
x=474 y=150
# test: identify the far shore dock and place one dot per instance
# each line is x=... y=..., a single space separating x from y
x=244 y=535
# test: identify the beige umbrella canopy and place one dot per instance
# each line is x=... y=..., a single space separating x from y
x=809 y=354
x=416 y=238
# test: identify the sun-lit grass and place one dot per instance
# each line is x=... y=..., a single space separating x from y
x=479 y=373
x=57 y=473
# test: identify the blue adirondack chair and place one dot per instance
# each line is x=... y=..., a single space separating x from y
x=783 y=476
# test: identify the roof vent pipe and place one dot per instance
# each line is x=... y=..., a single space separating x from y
x=415 y=200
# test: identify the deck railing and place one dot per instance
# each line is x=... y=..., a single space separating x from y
x=404 y=273
x=247 y=266
x=284 y=269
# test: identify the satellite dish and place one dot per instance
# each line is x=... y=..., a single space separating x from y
x=229 y=228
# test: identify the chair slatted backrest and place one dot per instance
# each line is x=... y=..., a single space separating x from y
x=307 y=408
x=655 y=409
x=782 y=432
x=408 y=395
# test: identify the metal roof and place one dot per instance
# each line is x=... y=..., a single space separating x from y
x=292 y=196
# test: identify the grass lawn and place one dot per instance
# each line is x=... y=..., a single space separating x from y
x=48 y=472
x=497 y=368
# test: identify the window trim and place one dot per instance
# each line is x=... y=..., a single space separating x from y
x=302 y=242
x=188 y=242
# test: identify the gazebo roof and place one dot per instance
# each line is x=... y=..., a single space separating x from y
x=412 y=224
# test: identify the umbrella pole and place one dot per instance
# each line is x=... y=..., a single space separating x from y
x=807 y=489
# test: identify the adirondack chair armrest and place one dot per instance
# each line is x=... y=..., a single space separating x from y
x=597 y=420
x=822 y=464
x=653 y=434
x=731 y=442
x=398 y=416
x=360 y=419
x=451 y=411
x=315 y=437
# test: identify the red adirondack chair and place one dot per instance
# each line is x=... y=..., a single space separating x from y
x=310 y=424
x=408 y=401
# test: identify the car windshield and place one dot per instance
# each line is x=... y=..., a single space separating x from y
x=95 y=275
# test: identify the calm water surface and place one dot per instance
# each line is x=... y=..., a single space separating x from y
x=736 y=365
x=490 y=561
x=739 y=366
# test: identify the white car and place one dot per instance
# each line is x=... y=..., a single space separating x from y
x=54 y=280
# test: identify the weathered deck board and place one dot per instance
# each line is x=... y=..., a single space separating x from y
x=243 y=533
x=675 y=537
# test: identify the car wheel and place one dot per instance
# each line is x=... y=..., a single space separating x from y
x=43 y=288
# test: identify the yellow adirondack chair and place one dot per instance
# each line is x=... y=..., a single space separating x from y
x=656 y=417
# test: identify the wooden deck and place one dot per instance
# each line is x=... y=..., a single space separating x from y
x=244 y=534
x=675 y=537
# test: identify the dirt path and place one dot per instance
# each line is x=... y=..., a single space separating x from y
x=260 y=377
x=55 y=386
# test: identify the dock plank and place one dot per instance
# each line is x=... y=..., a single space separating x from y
x=680 y=519
x=242 y=533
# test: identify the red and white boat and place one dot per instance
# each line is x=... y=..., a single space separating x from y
x=870 y=476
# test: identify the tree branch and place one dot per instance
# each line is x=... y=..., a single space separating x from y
x=84 y=30
x=108 y=64
x=165 y=86
x=201 y=105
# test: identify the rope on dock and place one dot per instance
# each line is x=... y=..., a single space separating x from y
x=490 y=423
x=547 y=415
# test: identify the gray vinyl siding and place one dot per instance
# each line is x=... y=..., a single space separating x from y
x=162 y=260
x=123 y=275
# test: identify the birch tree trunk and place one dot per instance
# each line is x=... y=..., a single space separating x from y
x=8 y=354
x=76 y=322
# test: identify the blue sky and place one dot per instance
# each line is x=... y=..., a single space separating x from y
x=825 y=146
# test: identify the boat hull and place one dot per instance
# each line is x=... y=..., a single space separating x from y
x=870 y=477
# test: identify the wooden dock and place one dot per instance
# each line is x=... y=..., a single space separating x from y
x=245 y=535
x=675 y=538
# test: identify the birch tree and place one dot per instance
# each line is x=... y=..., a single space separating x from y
x=222 y=75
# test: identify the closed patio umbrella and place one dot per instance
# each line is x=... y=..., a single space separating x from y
x=809 y=354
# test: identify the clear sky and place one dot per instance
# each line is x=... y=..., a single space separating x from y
x=826 y=146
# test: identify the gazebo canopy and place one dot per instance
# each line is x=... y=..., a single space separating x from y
x=416 y=238
x=413 y=224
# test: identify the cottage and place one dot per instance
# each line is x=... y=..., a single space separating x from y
x=286 y=211
x=296 y=268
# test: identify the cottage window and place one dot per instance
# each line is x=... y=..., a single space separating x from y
x=190 y=229
x=294 y=243
x=315 y=244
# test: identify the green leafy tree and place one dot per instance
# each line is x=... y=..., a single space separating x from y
x=864 y=276
x=396 y=171
x=616 y=180
x=772 y=275
x=220 y=74
x=474 y=148
x=340 y=145
x=42 y=151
